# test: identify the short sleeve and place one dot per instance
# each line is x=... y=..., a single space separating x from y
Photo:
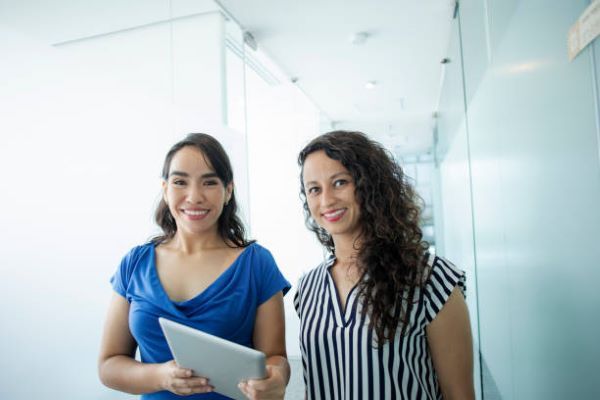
x=297 y=295
x=271 y=280
x=120 y=279
x=442 y=280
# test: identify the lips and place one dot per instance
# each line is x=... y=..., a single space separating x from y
x=334 y=215
x=195 y=214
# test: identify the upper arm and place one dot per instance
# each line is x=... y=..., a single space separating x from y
x=117 y=338
x=450 y=343
x=269 y=327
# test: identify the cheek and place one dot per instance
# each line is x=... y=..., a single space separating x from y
x=350 y=196
x=171 y=205
x=312 y=207
x=173 y=199
x=219 y=196
x=170 y=198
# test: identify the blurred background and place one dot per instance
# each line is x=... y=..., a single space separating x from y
x=477 y=100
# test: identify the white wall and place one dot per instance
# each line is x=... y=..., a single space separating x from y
x=84 y=129
x=280 y=122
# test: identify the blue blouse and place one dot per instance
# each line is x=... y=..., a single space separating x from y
x=226 y=308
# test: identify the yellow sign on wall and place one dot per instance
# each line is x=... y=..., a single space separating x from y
x=585 y=30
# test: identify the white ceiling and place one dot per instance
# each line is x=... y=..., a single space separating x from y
x=310 y=40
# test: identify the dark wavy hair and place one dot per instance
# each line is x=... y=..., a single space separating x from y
x=230 y=226
x=391 y=249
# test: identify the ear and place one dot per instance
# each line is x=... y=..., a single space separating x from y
x=228 y=192
x=164 y=189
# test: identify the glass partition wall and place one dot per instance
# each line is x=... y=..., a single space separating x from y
x=519 y=186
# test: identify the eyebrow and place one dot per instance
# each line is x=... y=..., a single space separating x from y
x=332 y=177
x=186 y=175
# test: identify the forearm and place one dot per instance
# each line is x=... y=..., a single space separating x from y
x=128 y=375
x=281 y=364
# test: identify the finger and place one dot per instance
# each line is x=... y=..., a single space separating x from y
x=203 y=389
x=179 y=384
x=191 y=385
x=255 y=386
x=243 y=386
x=267 y=387
x=181 y=373
x=250 y=392
x=260 y=384
x=197 y=381
x=187 y=390
x=184 y=391
x=249 y=395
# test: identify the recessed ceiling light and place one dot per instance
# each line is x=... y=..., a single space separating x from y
x=359 y=38
x=370 y=85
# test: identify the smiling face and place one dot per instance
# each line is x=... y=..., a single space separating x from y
x=194 y=193
x=330 y=194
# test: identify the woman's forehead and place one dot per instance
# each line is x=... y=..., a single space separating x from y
x=191 y=158
x=319 y=165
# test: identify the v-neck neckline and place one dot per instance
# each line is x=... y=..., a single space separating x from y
x=343 y=314
x=208 y=288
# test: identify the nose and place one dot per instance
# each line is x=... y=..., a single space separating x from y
x=327 y=197
x=195 y=194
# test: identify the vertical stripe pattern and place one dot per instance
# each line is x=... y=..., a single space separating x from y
x=340 y=356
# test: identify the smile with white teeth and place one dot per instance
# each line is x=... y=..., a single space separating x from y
x=195 y=212
x=334 y=214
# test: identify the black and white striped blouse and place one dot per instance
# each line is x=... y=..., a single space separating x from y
x=340 y=357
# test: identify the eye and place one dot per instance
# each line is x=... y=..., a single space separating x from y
x=211 y=182
x=340 y=182
x=312 y=190
x=178 y=182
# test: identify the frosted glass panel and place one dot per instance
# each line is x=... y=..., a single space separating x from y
x=475 y=43
x=454 y=226
x=533 y=146
x=499 y=13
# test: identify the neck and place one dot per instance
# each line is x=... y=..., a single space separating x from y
x=194 y=243
x=346 y=248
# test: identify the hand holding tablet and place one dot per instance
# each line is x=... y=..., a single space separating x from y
x=224 y=363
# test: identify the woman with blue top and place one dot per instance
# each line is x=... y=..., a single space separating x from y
x=201 y=272
x=381 y=318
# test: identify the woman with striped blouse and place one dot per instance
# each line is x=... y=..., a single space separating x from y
x=381 y=318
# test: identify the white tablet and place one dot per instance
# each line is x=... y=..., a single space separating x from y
x=224 y=363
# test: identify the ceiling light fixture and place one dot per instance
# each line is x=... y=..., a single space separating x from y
x=359 y=38
x=370 y=85
x=250 y=40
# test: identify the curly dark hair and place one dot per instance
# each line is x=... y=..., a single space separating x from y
x=230 y=226
x=392 y=251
